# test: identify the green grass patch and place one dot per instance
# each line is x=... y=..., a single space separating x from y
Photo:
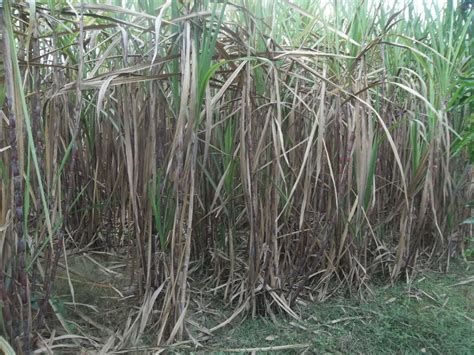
x=432 y=314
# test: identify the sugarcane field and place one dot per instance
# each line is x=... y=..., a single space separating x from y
x=236 y=176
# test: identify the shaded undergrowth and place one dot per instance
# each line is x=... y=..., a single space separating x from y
x=431 y=314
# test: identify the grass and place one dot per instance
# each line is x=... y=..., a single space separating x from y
x=95 y=284
x=433 y=314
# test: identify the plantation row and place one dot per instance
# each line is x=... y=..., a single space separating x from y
x=266 y=150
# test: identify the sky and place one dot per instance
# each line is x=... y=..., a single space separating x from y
x=419 y=7
x=399 y=4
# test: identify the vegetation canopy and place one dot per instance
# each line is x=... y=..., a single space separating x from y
x=259 y=153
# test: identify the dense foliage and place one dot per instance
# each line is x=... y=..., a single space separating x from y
x=265 y=149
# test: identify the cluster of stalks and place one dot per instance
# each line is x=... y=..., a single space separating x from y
x=272 y=149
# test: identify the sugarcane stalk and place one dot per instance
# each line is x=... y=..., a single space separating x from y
x=49 y=279
x=17 y=180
